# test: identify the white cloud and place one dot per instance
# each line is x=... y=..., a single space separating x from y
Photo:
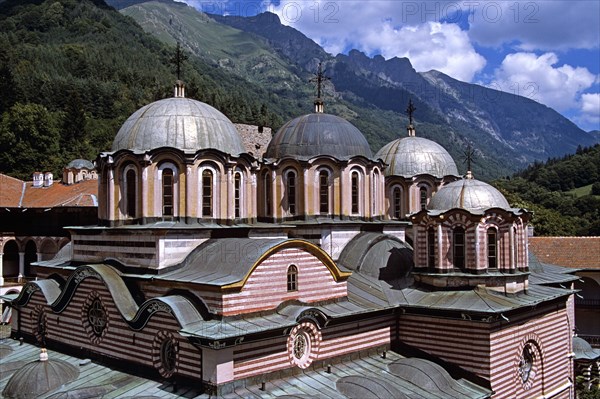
x=537 y=77
x=432 y=45
x=541 y=25
x=373 y=27
x=589 y=116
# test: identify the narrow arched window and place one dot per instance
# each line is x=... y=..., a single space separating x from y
x=291 y=192
x=430 y=248
x=397 y=203
x=268 y=194
x=423 y=197
x=131 y=197
x=355 y=192
x=375 y=193
x=458 y=245
x=207 y=193
x=516 y=246
x=323 y=192
x=292 y=278
x=492 y=248
x=237 y=194
x=168 y=180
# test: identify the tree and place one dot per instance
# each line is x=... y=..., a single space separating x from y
x=29 y=140
x=596 y=188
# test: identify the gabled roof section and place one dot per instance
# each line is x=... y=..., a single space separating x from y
x=11 y=191
x=15 y=193
x=228 y=262
x=571 y=252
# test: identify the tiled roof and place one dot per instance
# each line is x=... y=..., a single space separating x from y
x=11 y=191
x=574 y=252
x=15 y=193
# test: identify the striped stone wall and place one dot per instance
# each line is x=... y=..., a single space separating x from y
x=494 y=351
x=275 y=354
x=71 y=327
x=266 y=287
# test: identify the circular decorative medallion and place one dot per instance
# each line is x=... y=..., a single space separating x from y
x=165 y=353
x=303 y=344
x=95 y=317
x=39 y=320
x=527 y=362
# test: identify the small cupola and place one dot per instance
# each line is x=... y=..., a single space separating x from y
x=38 y=179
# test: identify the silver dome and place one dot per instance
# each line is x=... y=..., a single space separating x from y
x=468 y=194
x=412 y=156
x=317 y=134
x=80 y=164
x=181 y=123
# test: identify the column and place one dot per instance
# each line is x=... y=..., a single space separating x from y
x=111 y=193
x=306 y=206
x=39 y=256
x=1 y=270
x=145 y=193
x=189 y=187
x=511 y=246
x=439 y=246
x=230 y=201
x=21 y=265
x=477 y=253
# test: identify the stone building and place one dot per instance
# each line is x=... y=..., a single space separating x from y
x=215 y=266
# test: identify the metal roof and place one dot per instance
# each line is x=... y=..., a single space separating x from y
x=318 y=134
x=378 y=255
x=39 y=377
x=180 y=123
x=370 y=292
x=226 y=261
x=221 y=261
x=412 y=156
x=96 y=380
x=467 y=194
x=583 y=350
x=80 y=164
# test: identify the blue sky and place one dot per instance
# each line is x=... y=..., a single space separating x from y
x=545 y=50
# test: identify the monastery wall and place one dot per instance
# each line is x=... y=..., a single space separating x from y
x=71 y=327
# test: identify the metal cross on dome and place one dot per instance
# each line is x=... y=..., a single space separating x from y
x=178 y=59
x=320 y=78
x=469 y=155
x=410 y=110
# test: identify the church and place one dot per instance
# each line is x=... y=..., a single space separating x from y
x=219 y=267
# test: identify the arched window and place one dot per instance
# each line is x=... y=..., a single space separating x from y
x=131 y=193
x=268 y=194
x=292 y=278
x=355 y=192
x=324 y=192
x=290 y=187
x=397 y=203
x=237 y=194
x=458 y=245
x=430 y=248
x=207 y=192
x=492 y=248
x=375 y=193
x=168 y=185
x=423 y=197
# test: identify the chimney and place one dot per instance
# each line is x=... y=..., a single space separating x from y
x=48 y=179
x=38 y=179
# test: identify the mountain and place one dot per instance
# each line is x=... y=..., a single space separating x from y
x=513 y=127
